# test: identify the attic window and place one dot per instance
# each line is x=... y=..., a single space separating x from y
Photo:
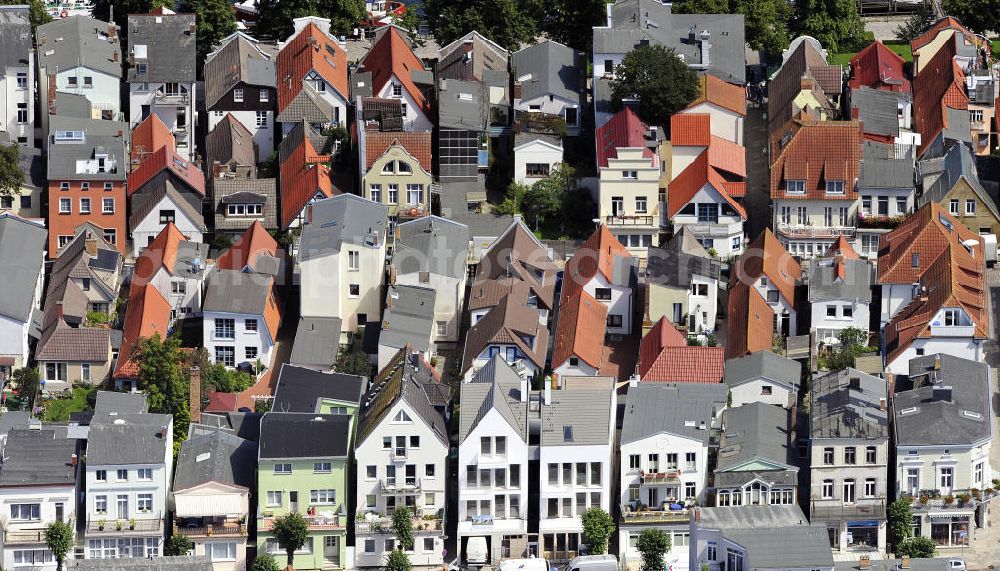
x=945 y=222
x=330 y=50
x=567 y=434
x=970 y=414
x=202 y=457
x=907 y=411
x=689 y=423
x=835 y=187
x=796 y=187
x=401 y=416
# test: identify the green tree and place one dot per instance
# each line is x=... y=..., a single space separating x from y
x=512 y=201
x=653 y=544
x=163 y=378
x=59 y=539
x=122 y=8
x=291 y=530
x=571 y=22
x=852 y=337
x=37 y=14
x=597 y=529
x=900 y=521
x=402 y=526
x=410 y=21
x=397 y=561
x=178 y=545
x=505 y=22
x=28 y=384
x=11 y=173
x=917 y=547
x=265 y=562
x=765 y=22
x=275 y=17
x=835 y=23
x=344 y=15
x=981 y=16
x=660 y=81
x=353 y=363
x=224 y=380
x=916 y=23
x=215 y=20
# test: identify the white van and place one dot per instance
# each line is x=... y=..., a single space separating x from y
x=476 y=551
x=593 y=563
x=533 y=564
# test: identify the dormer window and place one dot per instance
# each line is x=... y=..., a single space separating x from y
x=140 y=68
x=835 y=187
x=238 y=95
x=952 y=317
x=795 y=187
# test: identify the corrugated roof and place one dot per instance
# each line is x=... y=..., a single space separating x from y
x=149 y=136
x=304 y=173
x=718 y=92
x=939 y=86
x=819 y=152
x=417 y=144
x=766 y=256
x=164 y=159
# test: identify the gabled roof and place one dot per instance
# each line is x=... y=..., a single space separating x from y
x=924 y=418
x=22 y=244
x=229 y=142
x=755 y=432
x=749 y=323
x=805 y=61
x=168 y=250
x=766 y=256
x=79 y=41
x=343 y=219
x=727 y=95
x=248 y=249
x=516 y=254
x=848 y=404
x=624 y=130
x=906 y=253
x=165 y=159
x=234 y=291
x=148 y=314
x=841 y=247
x=165 y=187
x=310 y=50
x=684 y=410
x=939 y=86
x=946 y=23
x=169 y=41
x=763 y=365
x=695 y=177
x=150 y=136
x=878 y=67
x=959 y=164
x=236 y=60
x=878 y=111
x=300 y=389
x=818 y=153
x=432 y=244
x=494 y=387
x=470 y=57
x=304 y=173
x=577 y=331
x=304 y=435
x=244 y=191
x=600 y=253
x=549 y=68
x=391 y=56
x=404 y=379
x=838 y=278
x=220 y=457
x=690 y=129
x=665 y=356
x=416 y=143
x=509 y=322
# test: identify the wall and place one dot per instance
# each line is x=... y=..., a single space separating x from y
x=962 y=347
x=263 y=136
x=681 y=157
x=419 y=176
x=726 y=235
x=447 y=303
x=260 y=339
x=166 y=112
x=414 y=119
x=150 y=227
x=961 y=458
x=589 y=454
x=47 y=497
x=820 y=320
x=14 y=340
x=619 y=304
x=751 y=391
x=10 y=96
x=325 y=283
x=98 y=370
x=894 y=298
x=535 y=152
x=725 y=123
x=104 y=95
x=66 y=224
x=582 y=369
x=983 y=218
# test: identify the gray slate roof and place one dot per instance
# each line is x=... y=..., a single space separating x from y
x=304 y=435
x=755 y=432
x=765 y=516
x=406 y=378
x=432 y=244
x=78 y=41
x=247 y=191
x=763 y=364
x=307 y=106
x=231 y=460
x=936 y=421
x=300 y=389
x=128 y=439
x=879 y=170
x=684 y=410
x=73 y=105
x=236 y=60
x=462 y=105
x=554 y=69
x=33 y=164
x=232 y=291
x=802 y=547
x=22 y=244
x=408 y=318
x=37 y=457
x=166 y=185
x=342 y=218
x=15 y=36
x=229 y=143
x=877 y=109
x=99 y=136
x=109 y=402
x=497 y=386
x=170 y=47
x=825 y=286
x=958 y=163
x=178 y=563
x=579 y=415
x=317 y=341
x=849 y=404
x=669 y=266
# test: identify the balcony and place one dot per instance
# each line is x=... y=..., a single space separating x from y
x=382 y=524
x=161 y=98
x=653 y=478
x=644 y=515
x=23 y=536
x=630 y=220
x=711 y=229
x=864 y=509
x=806 y=231
x=324 y=522
x=400 y=485
x=873 y=222
x=112 y=526
x=932 y=500
x=195 y=527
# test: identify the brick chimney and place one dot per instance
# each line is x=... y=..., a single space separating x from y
x=194 y=392
x=59 y=310
x=90 y=244
x=50 y=96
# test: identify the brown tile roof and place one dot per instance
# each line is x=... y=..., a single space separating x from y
x=229 y=142
x=787 y=83
x=60 y=342
x=596 y=255
x=819 y=152
x=148 y=137
x=391 y=56
x=578 y=332
x=310 y=50
x=729 y=96
x=417 y=144
x=766 y=256
x=665 y=356
x=690 y=129
x=517 y=255
x=905 y=253
x=940 y=85
x=750 y=321
x=507 y=323
x=244 y=252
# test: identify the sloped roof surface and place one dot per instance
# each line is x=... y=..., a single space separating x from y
x=549 y=68
x=237 y=60
x=624 y=130
x=170 y=46
x=310 y=50
x=665 y=356
x=576 y=331
x=78 y=41
x=391 y=56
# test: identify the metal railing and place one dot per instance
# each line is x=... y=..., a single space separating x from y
x=806 y=231
x=865 y=509
x=228 y=529
x=669 y=477
x=634 y=220
x=397 y=485
x=316 y=522
x=649 y=516
x=171 y=98
x=383 y=524
x=125 y=526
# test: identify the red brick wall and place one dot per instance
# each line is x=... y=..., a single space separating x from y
x=66 y=224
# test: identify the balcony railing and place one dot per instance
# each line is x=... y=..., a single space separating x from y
x=378 y=523
x=668 y=477
x=22 y=536
x=401 y=485
x=632 y=220
x=329 y=522
x=111 y=526
x=711 y=229
x=864 y=509
x=171 y=98
x=648 y=516
x=805 y=231
x=227 y=529
x=958 y=500
x=876 y=222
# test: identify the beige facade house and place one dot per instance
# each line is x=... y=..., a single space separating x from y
x=396 y=172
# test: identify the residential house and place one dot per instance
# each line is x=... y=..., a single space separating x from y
x=536 y=156
x=86 y=174
x=805 y=82
x=80 y=55
x=17 y=80
x=578 y=346
x=604 y=269
x=840 y=293
x=947 y=33
x=691 y=136
x=38 y=483
x=149 y=136
x=982 y=88
x=407 y=321
x=765 y=537
x=341 y=260
x=240 y=80
x=402 y=453
x=303 y=468
x=763 y=377
x=29 y=203
x=397 y=73
x=230 y=151
x=942 y=431
x=629 y=181
x=241 y=203
x=165 y=189
x=931 y=269
x=396 y=171
x=471 y=58
x=664 y=463
x=886 y=187
x=515 y=255
x=130 y=461
x=814 y=188
x=750 y=321
x=161 y=73
x=682 y=284
x=756 y=464
x=22 y=253
x=711 y=44
x=84 y=283
x=433 y=252
x=317 y=343
x=493 y=448
x=240 y=314
x=305 y=175
x=849 y=455
x=886 y=117
x=725 y=103
x=312 y=77
x=939 y=87
x=307 y=391
x=211 y=491
x=878 y=67
x=463 y=121
x=958 y=189
x=549 y=79
x=666 y=357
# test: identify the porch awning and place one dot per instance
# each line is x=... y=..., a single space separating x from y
x=203 y=505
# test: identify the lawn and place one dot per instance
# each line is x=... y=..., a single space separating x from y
x=58 y=409
x=900 y=48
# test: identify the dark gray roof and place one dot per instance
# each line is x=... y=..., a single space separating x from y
x=237 y=59
x=220 y=456
x=73 y=105
x=301 y=390
x=15 y=36
x=801 y=546
x=916 y=564
x=763 y=365
x=767 y=516
x=925 y=419
x=233 y=291
x=170 y=47
x=182 y=562
x=549 y=68
x=406 y=378
x=877 y=109
x=824 y=284
x=307 y=106
x=78 y=41
x=246 y=425
x=33 y=165
x=22 y=244
x=109 y=402
x=317 y=341
x=37 y=458
x=99 y=137
x=752 y=434
x=684 y=410
x=304 y=435
x=433 y=244
x=342 y=218
x=454 y=206
x=408 y=318
x=958 y=126
x=13 y=419
x=849 y=404
x=497 y=386
x=959 y=163
x=128 y=439
x=671 y=267
x=247 y=191
x=579 y=415
x=463 y=105
x=878 y=170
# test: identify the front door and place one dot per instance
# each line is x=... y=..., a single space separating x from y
x=331 y=548
x=654 y=497
x=293 y=502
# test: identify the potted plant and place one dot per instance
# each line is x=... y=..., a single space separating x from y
x=989 y=491
x=964 y=499
x=923 y=500
x=949 y=499
x=976 y=494
x=131 y=523
x=100 y=524
x=118 y=525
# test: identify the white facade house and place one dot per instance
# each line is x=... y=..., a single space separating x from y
x=535 y=157
x=682 y=284
x=402 y=458
x=840 y=292
x=17 y=77
x=22 y=252
x=709 y=212
x=548 y=80
x=178 y=278
x=764 y=377
x=233 y=336
x=311 y=76
x=605 y=269
x=172 y=206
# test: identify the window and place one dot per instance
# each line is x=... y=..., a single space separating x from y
x=322 y=496
x=795 y=187
x=602 y=293
x=145 y=502
x=250 y=353
x=32 y=557
x=22 y=112
x=429 y=471
x=634 y=462
x=26 y=201
x=828 y=216
x=827 y=489
x=238 y=95
x=831 y=311
x=786 y=214
x=428 y=544
x=371 y=472
x=871 y=455
x=707 y=212
x=22 y=80
x=414 y=194
x=870 y=487
x=641 y=205
x=712 y=552
x=101 y=476
x=866 y=204
x=283 y=468
x=977 y=473
x=766 y=390
x=225 y=355
x=261 y=119
x=101 y=504
x=976 y=115
x=65 y=205
x=167 y=215
x=144 y=474
x=951 y=317
x=614 y=320
x=121 y=475
x=801 y=215
x=353 y=260
x=25 y=512
x=850 y=455
x=354 y=290
x=953 y=207
x=690 y=490
x=250 y=325
x=536 y=169
x=375 y=192
x=225 y=328
x=847 y=310
x=273 y=498
x=397 y=90
x=393 y=194
x=265 y=95
x=901 y=207
x=178 y=287
x=947 y=477
x=414 y=441
x=630 y=175
x=221 y=550
x=835 y=187
x=72 y=81
x=108 y=206
x=690 y=461
x=442 y=327
x=970 y=207
x=700 y=290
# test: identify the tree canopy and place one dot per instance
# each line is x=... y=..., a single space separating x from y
x=215 y=20
x=178 y=545
x=658 y=79
x=923 y=547
x=571 y=22
x=291 y=530
x=900 y=521
x=981 y=16
x=653 y=544
x=37 y=13
x=276 y=16
x=402 y=526
x=28 y=384
x=835 y=23
x=397 y=561
x=164 y=380
x=509 y=23
x=265 y=562
x=597 y=529
x=59 y=539
x=11 y=173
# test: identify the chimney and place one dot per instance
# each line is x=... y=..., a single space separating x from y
x=548 y=394
x=194 y=393
x=50 y=97
x=882 y=404
x=941 y=393
x=90 y=244
x=517 y=90
x=937 y=362
x=524 y=390
x=706 y=59
x=59 y=310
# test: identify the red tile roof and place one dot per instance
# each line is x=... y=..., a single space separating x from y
x=417 y=144
x=303 y=174
x=310 y=50
x=766 y=256
x=729 y=96
x=726 y=155
x=221 y=402
x=149 y=136
x=690 y=129
x=692 y=179
x=843 y=248
x=578 y=333
x=596 y=254
x=750 y=321
x=665 y=356
x=148 y=314
x=945 y=23
x=391 y=56
x=243 y=253
x=160 y=253
x=878 y=67
x=819 y=152
x=624 y=130
x=940 y=85
x=166 y=159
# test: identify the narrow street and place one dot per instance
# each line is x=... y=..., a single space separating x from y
x=758 y=198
